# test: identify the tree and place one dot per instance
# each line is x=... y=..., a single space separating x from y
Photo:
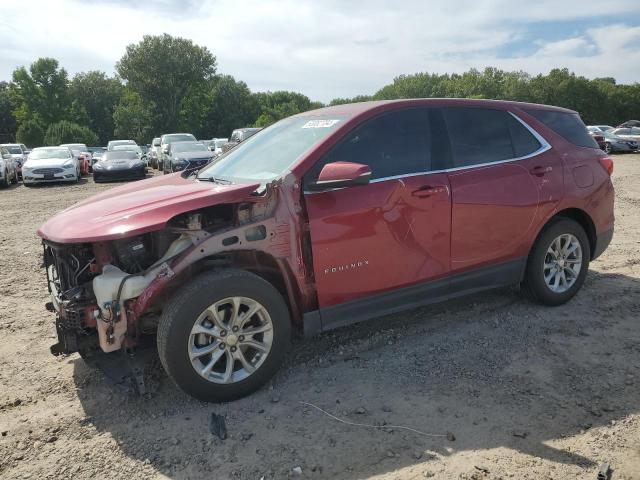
x=42 y=93
x=69 y=132
x=8 y=124
x=30 y=133
x=164 y=71
x=277 y=105
x=95 y=96
x=133 y=118
x=231 y=105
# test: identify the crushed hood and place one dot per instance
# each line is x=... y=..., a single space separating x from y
x=138 y=207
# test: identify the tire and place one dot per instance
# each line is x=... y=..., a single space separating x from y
x=540 y=256
x=607 y=148
x=5 y=180
x=186 y=309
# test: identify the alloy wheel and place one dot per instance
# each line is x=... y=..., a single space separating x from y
x=230 y=340
x=562 y=263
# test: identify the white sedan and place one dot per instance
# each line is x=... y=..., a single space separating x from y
x=50 y=164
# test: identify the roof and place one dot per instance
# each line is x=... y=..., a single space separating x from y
x=354 y=109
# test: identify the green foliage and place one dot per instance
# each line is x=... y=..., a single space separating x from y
x=42 y=92
x=278 y=105
x=30 y=133
x=8 y=123
x=598 y=101
x=165 y=71
x=95 y=97
x=231 y=105
x=69 y=132
x=133 y=118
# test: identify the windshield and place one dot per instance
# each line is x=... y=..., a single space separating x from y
x=188 y=147
x=14 y=149
x=130 y=148
x=178 y=137
x=119 y=154
x=270 y=152
x=44 y=153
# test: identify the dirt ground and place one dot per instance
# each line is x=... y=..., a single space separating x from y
x=523 y=391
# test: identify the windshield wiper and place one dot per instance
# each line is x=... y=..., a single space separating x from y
x=221 y=181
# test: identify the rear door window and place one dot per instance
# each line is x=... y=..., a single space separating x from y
x=567 y=125
x=478 y=135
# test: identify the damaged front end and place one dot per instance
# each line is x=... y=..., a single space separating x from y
x=109 y=294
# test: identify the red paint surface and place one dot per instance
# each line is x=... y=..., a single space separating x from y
x=377 y=237
x=136 y=208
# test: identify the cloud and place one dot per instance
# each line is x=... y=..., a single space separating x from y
x=334 y=48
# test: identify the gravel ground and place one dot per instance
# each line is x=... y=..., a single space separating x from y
x=522 y=391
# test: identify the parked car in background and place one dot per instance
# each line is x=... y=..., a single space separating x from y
x=599 y=128
x=325 y=219
x=119 y=164
x=19 y=153
x=114 y=143
x=630 y=124
x=96 y=155
x=632 y=133
x=51 y=164
x=154 y=154
x=169 y=138
x=599 y=138
x=186 y=156
x=84 y=156
x=615 y=144
x=83 y=161
x=239 y=135
x=8 y=169
x=218 y=143
x=207 y=143
x=132 y=148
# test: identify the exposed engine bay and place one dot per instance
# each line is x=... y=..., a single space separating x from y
x=108 y=294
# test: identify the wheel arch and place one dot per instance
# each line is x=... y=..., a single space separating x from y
x=263 y=264
x=579 y=216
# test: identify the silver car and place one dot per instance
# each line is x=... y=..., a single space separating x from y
x=50 y=164
x=8 y=170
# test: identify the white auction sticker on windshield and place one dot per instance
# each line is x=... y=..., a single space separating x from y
x=320 y=123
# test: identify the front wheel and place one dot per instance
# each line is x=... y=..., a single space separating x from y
x=607 y=148
x=558 y=262
x=224 y=335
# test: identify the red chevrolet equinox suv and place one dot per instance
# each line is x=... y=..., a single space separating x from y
x=324 y=219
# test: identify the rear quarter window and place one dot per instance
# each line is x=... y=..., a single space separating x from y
x=568 y=125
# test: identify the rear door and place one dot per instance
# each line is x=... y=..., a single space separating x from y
x=393 y=231
x=503 y=180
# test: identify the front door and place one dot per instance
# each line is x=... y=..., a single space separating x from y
x=392 y=232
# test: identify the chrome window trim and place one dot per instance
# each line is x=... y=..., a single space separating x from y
x=544 y=147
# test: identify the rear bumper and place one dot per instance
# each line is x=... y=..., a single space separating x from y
x=602 y=242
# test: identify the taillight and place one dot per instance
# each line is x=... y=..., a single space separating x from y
x=607 y=164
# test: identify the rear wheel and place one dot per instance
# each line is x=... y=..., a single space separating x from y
x=558 y=262
x=224 y=335
x=5 y=180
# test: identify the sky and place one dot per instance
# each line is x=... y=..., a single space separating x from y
x=334 y=48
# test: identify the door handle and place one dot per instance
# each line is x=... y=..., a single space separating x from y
x=539 y=171
x=428 y=190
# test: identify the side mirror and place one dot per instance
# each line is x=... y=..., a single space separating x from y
x=342 y=174
x=165 y=149
x=6 y=156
